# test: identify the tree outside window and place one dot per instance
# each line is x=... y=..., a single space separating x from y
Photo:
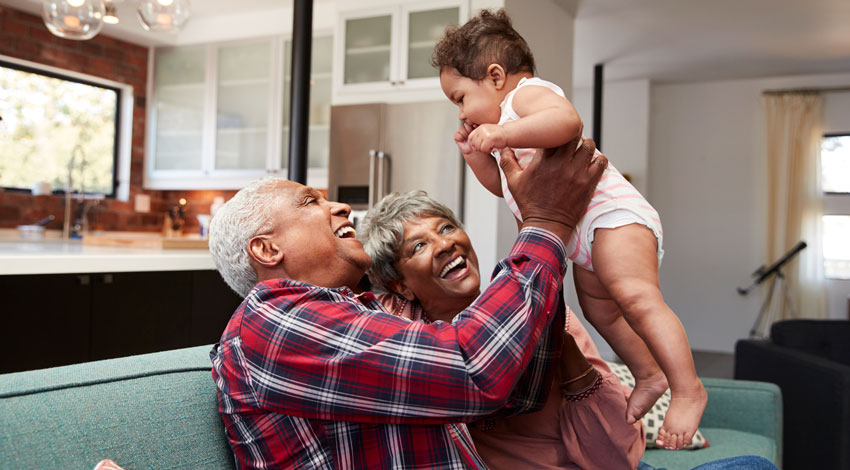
x=44 y=117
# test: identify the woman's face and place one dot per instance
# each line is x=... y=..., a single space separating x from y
x=438 y=267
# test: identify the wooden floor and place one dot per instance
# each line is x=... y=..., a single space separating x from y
x=713 y=364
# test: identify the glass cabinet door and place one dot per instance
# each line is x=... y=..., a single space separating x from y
x=318 y=140
x=179 y=84
x=243 y=106
x=425 y=28
x=367 y=53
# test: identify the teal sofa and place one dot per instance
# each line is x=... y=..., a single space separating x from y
x=158 y=411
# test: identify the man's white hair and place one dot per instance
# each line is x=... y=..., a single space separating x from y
x=246 y=215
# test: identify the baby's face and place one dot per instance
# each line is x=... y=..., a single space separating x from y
x=477 y=100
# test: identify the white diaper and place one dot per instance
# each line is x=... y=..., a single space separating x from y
x=618 y=218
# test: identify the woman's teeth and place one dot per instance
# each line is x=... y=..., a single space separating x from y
x=455 y=263
x=342 y=232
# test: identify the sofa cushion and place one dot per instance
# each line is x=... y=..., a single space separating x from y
x=724 y=443
x=152 y=411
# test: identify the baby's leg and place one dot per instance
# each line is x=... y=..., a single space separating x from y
x=604 y=314
x=625 y=260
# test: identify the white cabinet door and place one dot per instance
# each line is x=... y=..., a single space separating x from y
x=385 y=54
x=243 y=106
x=179 y=108
x=367 y=51
x=422 y=26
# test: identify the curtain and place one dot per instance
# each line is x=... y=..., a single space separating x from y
x=795 y=202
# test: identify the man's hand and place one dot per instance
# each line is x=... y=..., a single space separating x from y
x=554 y=189
x=487 y=137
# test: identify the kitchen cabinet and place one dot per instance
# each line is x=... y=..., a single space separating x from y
x=219 y=114
x=387 y=51
x=60 y=319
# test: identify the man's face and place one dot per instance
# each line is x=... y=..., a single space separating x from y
x=316 y=238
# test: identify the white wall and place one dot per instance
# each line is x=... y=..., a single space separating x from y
x=707 y=182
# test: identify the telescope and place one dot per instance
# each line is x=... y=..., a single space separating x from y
x=772 y=272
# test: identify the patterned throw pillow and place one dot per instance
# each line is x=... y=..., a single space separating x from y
x=653 y=418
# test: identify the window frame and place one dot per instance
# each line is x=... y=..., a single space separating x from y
x=122 y=146
x=835 y=203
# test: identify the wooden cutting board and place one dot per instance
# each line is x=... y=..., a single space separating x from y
x=137 y=240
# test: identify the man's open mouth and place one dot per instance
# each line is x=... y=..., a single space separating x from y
x=346 y=231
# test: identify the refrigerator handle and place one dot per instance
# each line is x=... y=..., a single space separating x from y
x=372 y=156
x=383 y=184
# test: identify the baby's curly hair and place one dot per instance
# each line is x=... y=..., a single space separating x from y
x=488 y=38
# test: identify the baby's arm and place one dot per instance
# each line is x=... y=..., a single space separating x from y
x=546 y=121
x=483 y=165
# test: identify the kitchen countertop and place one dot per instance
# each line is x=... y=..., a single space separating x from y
x=52 y=256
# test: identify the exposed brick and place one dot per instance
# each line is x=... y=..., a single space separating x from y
x=15 y=27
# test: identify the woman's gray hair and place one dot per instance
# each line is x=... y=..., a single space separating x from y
x=382 y=230
x=247 y=214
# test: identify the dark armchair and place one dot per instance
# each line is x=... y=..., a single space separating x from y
x=810 y=361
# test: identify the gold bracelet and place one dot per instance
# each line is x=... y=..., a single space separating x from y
x=576 y=379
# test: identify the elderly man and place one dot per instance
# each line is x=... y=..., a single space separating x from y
x=310 y=375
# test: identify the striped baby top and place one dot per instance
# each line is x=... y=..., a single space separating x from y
x=612 y=193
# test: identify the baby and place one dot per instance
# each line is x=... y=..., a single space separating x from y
x=487 y=70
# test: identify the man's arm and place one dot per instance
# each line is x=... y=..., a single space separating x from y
x=334 y=359
x=328 y=357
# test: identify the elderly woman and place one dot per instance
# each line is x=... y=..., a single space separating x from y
x=424 y=261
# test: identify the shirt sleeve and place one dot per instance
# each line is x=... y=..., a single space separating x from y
x=325 y=356
x=533 y=387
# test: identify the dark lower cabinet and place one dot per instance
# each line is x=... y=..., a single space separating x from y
x=60 y=319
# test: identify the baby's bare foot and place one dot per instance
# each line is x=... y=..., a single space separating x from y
x=646 y=392
x=682 y=417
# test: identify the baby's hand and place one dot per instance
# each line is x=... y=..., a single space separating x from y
x=487 y=137
x=462 y=138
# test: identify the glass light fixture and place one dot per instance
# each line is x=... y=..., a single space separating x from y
x=73 y=19
x=111 y=12
x=163 y=15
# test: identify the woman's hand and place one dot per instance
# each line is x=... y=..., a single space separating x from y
x=555 y=188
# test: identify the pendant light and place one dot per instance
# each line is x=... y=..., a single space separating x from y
x=110 y=15
x=163 y=15
x=73 y=19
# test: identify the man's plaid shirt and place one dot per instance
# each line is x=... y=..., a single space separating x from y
x=312 y=377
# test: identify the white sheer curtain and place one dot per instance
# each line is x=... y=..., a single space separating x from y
x=795 y=204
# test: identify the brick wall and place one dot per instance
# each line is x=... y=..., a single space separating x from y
x=24 y=36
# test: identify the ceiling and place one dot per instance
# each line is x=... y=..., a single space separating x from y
x=697 y=40
x=660 y=40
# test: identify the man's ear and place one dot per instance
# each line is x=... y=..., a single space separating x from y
x=265 y=251
x=399 y=287
x=496 y=75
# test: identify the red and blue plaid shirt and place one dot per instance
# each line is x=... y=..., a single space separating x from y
x=313 y=377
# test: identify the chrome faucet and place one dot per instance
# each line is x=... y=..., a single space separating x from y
x=80 y=222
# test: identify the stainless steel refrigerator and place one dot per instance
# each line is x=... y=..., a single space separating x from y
x=380 y=148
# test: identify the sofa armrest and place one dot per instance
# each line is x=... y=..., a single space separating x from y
x=816 y=407
x=743 y=405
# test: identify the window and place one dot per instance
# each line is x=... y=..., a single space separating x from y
x=835 y=167
x=46 y=114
